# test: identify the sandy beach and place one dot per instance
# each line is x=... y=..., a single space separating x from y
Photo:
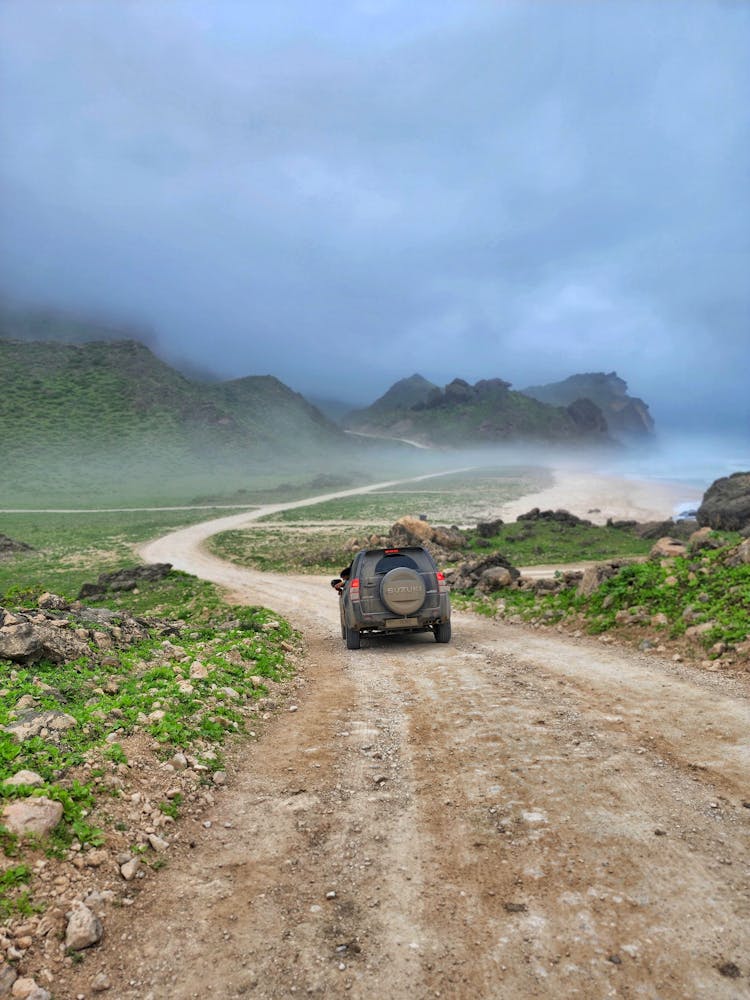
x=598 y=496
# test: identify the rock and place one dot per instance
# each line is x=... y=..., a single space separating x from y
x=124 y=579
x=561 y=516
x=697 y=631
x=53 y=602
x=412 y=530
x=158 y=844
x=198 y=671
x=37 y=816
x=668 y=548
x=84 y=929
x=448 y=538
x=33 y=723
x=594 y=576
x=101 y=983
x=494 y=579
x=468 y=574
x=8 y=976
x=130 y=869
x=9 y=547
x=20 y=642
x=726 y=503
x=488 y=529
x=28 y=989
x=741 y=555
x=30 y=778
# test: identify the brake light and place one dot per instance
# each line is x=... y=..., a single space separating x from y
x=354 y=584
x=354 y=594
x=391 y=552
x=440 y=576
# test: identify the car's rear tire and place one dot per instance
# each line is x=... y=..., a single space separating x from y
x=443 y=632
x=353 y=638
x=402 y=590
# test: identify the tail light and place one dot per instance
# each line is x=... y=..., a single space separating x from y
x=354 y=589
x=442 y=585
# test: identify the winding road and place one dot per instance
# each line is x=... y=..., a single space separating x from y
x=519 y=814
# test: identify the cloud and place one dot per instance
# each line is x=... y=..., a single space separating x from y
x=343 y=194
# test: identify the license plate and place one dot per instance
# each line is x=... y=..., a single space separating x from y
x=401 y=622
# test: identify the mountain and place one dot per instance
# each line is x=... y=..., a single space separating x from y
x=464 y=414
x=99 y=415
x=626 y=416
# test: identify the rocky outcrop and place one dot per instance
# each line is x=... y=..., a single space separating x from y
x=9 y=547
x=726 y=504
x=123 y=580
x=560 y=516
x=65 y=633
x=626 y=416
x=480 y=574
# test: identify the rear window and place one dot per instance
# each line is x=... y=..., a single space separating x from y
x=388 y=563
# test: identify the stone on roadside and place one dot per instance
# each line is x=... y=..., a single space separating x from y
x=130 y=869
x=101 y=983
x=84 y=929
x=198 y=671
x=668 y=548
x=495 y=578
x=30 y=778
x=38 y=816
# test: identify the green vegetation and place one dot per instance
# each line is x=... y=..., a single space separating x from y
x=108 y=421
x=454 y=498
x=287 y=550
x=71 y=549
x=533 y=543
x=695 y=590
x=150 y=692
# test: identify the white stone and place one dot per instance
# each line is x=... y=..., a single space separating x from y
x=84 y=929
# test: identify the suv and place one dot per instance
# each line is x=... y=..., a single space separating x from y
x=394 y=590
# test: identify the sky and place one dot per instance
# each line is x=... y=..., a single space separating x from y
x=344 y=193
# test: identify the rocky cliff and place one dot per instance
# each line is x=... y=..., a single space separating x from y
x=626 y=416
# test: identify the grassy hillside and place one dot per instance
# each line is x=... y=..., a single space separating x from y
x=110 y=419
x=462 y=414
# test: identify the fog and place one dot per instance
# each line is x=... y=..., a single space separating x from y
x=343 y=194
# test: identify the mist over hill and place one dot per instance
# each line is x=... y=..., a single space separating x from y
x=98 y=416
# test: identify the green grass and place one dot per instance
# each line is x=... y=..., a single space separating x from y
x=533 y=543
x=234 y=643
x=288 y=550
x=72 y=549
x=688 y=591
x=454 y=498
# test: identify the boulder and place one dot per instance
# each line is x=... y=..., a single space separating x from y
x=124 y=579
x=412 y=530
x=38 y=816
x=20 y=642
x=560 y=516
x=594 y=576
x=741 y=555
x=494 y=579
x=84 y=929
x=488 y=529
x=668 y=548
x=448 y=538
x=726 y=503
x=468 y=574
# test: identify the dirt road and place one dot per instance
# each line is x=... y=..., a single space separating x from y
x=518 y=814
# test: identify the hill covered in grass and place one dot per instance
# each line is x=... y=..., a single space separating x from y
x=487 y=412
x=100 y=417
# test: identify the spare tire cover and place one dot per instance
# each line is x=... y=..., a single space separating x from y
x=402 y=590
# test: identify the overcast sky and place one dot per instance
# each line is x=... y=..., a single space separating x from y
x=343 y=193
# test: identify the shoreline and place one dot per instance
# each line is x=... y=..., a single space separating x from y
x=598 y=496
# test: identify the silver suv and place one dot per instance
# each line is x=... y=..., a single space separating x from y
x=394 y=590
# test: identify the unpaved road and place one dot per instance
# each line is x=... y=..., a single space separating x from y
x=518 y=814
